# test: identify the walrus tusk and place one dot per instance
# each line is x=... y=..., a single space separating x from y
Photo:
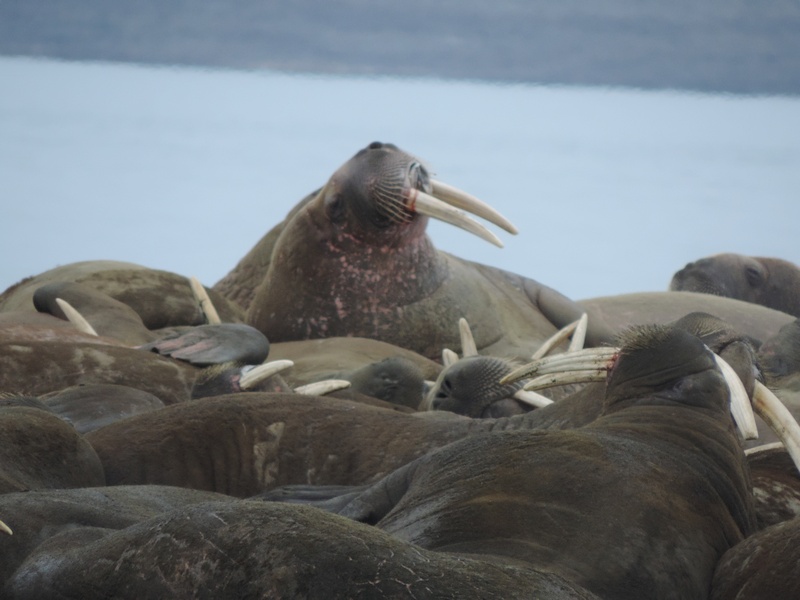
x=320 y=388
x=426 y=204
x=206 y=306
x=588 y=359
x=448 y=357
x=76 y=318
x=579 y=337
x=468 y=202
x=555 y=379
x=5 y=528
x=468 y=347
x=261 y=372
x=770 y=408
x=763 y=448
x=741 y=409
x=593 y=364
x=532 y=398
x=555 y=339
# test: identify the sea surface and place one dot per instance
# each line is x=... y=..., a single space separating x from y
x=184 y=169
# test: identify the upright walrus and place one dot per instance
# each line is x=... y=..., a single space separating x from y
x=354 y=259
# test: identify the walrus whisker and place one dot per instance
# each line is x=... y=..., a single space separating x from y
x=74 y=317
x=320 y=388
x=468 y=347
x=255 y=375
x=392 y=206
x=468 y=202
x=775 y=414
x=741 y=409
x=202 y=298
x=5 y=528
x=532 y=398
x=430 y=206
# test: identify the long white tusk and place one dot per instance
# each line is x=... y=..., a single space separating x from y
x=777 y=416
x=468 y=347
x=556 y=379
x=261 y=372
x=206 y=306
x=763 y=448
x=448 y=357
x=579 y=337
x=5 y=528
x=532 y=398
x=555 y=339
x=589 y=358
x=320 y=388
x=433 y=207
x=461 y=199
x=740 y=402
x=76 y=318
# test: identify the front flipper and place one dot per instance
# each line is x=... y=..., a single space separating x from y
x=561 y=311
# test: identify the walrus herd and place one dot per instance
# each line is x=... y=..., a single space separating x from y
x=352 y=413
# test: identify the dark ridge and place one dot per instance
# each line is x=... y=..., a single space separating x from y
x=715 y=46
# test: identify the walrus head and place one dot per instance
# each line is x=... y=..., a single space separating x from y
x=386 y=195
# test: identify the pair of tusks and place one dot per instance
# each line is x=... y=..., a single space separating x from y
x=254 y=375
x=593 y=364
x=444 y=203
x=576 y=329
x=199 y=292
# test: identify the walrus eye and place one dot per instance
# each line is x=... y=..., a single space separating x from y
x=754 y=277
x=334 y=206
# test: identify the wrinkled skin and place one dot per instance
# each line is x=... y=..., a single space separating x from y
x=225 y=550
x=40 y=451
x=355 y=260
x=91 y=406
x=770 y=282
x=776 y=486
x=39 y=515
x=262 y=441
x=762 y=567
x=641 y=503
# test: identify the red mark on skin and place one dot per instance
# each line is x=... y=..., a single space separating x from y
x=412 y=200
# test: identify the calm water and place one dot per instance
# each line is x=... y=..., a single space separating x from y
x=185 y=169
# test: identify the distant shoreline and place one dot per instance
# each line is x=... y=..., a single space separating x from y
x=714 y=47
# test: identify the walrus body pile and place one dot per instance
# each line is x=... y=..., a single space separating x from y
x=135 y=465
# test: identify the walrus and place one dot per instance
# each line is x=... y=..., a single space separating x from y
x=161 y=299
x=762 y=567
x=354 y=260
x=771 y=282
x=641 y=503
x=244 y=444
